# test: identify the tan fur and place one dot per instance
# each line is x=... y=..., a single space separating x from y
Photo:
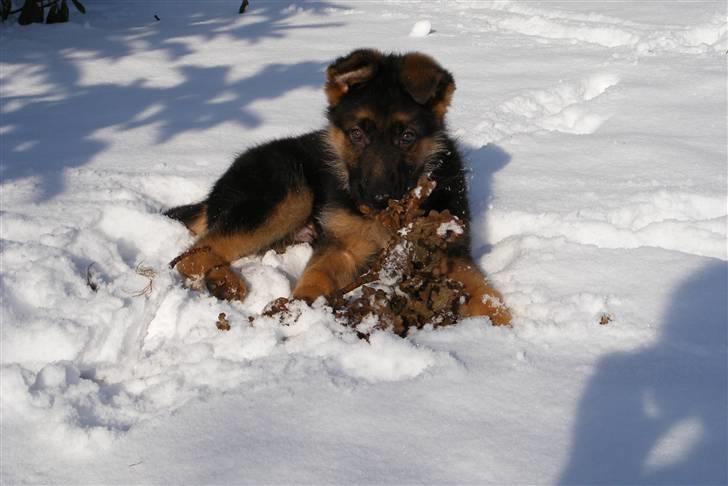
x=339 y=143
x=353 y=241
x=439 y=108
x=425 y=151
x=365 y=114
x=354 y=230
x=338 y=84
x=328 y=271
x=357 y=67
x=198 y=226
x=289 y=215
x=400 y=117
x=343 y=157
x=196 y=265
x=420 y=75
x=484 y=299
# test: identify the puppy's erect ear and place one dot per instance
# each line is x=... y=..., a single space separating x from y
x=358 y=67
x=427 y=82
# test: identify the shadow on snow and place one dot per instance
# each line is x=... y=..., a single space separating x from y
x=482 y=164
x=44 y=134
x=658 y=415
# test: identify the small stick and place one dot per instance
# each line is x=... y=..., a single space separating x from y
x=394 y=220
x=149 y=273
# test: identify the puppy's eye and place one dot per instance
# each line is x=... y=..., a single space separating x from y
x=356 y=135
x=407 y=138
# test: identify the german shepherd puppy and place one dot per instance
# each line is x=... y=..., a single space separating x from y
x=386 y=127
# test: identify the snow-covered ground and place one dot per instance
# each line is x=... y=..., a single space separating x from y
x=596 y=135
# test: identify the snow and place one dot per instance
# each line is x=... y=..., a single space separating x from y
x=596 y=138
x=421 y=28
x=449 y=226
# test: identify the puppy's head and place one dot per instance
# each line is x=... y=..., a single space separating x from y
x=386 y=121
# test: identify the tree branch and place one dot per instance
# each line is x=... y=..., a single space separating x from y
x=51 y=2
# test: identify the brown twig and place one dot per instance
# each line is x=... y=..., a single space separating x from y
x=147 y=272
x=20 y=9
x=412 y=288
x=395 y=217
x=407 y=284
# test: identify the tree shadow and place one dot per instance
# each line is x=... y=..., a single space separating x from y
x=482 y=164
x=658 y=415
x=45 y=133
x=112 y=29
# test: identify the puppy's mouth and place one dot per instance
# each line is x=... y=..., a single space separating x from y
x=379 y=201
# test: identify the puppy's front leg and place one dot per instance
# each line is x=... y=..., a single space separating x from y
x=484 y=300
x=331 y=268
x=349 y=242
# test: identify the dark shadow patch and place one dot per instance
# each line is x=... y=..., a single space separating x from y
x=43 y=135
x=637 y=399
x=482 y=164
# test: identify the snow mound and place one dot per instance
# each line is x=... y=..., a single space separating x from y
x=569 y=107
x=421 y=28
x=105 y=374
x=99 y=335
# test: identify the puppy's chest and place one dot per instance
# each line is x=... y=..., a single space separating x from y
x=352 y=230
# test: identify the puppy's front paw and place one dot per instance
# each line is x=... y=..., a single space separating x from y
x=313 y=285
x=308 y=293
x=225 y=284
x=488 y=305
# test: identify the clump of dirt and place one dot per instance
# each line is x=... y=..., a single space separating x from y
x=222 y=322
x=406 y=285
